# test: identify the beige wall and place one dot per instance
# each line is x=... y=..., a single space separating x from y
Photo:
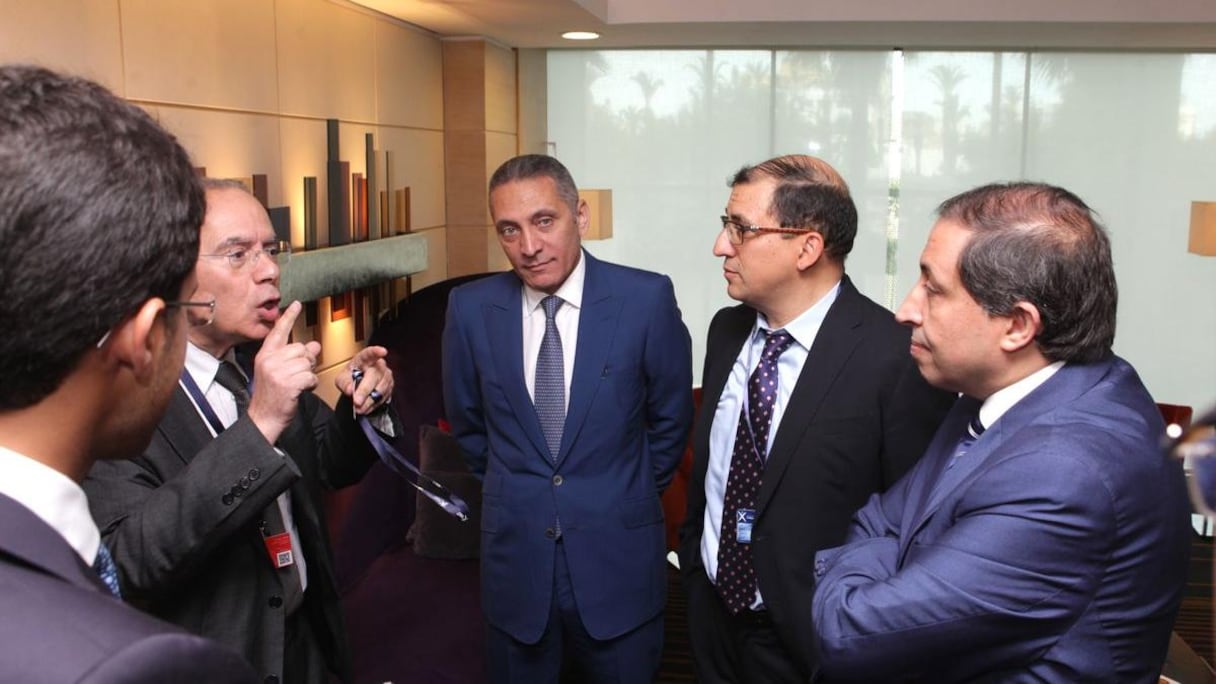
x=248 y=84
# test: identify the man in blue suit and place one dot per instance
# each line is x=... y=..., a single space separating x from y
x=567 y=382
x=1042 y=537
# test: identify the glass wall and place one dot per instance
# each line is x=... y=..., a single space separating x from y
x=1133 y=134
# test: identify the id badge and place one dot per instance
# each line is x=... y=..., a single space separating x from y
x=279 y=548
x=744 y=518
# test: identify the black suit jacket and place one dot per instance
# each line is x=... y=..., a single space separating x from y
x=183 y=519
x=58 y=623
x=859 y=417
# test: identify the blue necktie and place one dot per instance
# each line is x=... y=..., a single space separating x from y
x=104 y=566
x=549 y=388
x=974 y=429
x=736 y=580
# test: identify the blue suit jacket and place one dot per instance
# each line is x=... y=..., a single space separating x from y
x=629 y=413
x=1054 y=550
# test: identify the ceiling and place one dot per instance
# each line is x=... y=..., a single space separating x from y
x=1090 y=24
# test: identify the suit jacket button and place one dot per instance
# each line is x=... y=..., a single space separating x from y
x=254 y=473
x=243 y=482
x=275 y=601
x=557 y=480
x=271 y=679
x=227 y=499
x=549 y=533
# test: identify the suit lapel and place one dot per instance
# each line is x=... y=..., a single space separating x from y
x=834 y=344
x=182 y=428
x=597 y=326
x=504 y=328
x=731 y=328
x=1066 y=385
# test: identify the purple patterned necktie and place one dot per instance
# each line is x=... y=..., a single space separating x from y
x=736 y=579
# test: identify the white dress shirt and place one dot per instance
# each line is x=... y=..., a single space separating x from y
x=52 y=496
x=803 y=329
x=1004 y=399
x=566 y=318
x=202 y=368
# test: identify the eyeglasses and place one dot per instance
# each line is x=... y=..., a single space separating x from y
x=199 y=312
x=239 y=257
x=1196 y=446
x=736 y=231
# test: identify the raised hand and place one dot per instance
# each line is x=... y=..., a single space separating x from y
x=281 y=372
x=375 y=388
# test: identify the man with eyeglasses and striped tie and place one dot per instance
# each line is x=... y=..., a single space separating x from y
x=99 y=218
x=219 y=526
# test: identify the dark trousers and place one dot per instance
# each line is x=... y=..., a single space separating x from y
x=567 y=653
x=735 y=649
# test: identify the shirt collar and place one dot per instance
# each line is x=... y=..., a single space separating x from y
x=570 y=292
x=201 y=366
x=52 y=496
x=1004 y=399
x=806 y=326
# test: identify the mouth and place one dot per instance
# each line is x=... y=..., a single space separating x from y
x=268 y=310
x=539 y=266
x=920 y=347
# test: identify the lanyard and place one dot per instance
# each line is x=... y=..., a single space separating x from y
x=200 y=400
x=452 y=504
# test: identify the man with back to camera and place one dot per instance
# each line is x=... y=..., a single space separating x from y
x=1042 y=537
x=810 y=404
x=219 y=526
x=99 y=217
x=568 y=383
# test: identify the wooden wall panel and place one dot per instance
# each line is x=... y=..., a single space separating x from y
x=213 y=53
x=67 y=35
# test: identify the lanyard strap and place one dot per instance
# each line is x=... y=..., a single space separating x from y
x=443 y=497
x=200 y=400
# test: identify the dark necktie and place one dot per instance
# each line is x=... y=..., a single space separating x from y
x=232 y=379
x=974 y=429
x=736 y=580
x=549 y=388
x=104 y=566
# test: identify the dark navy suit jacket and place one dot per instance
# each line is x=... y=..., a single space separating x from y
x=630 y=408
x=58 y=622
x=1054 y=550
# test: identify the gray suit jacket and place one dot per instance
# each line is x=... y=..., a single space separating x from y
x=183 y=519
x=58 y=623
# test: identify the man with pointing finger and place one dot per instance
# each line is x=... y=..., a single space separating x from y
x=218 y=526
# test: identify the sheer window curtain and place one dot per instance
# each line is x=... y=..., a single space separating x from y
x=1133 y=134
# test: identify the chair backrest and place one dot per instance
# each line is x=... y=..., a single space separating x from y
x=1176 y=414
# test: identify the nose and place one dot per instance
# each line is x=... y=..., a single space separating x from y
x=529 y=242
x=908 y=312
x=265 y=268
x=723 y=247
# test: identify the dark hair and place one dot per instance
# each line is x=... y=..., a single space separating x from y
x=528 y=166
x=809 y=194
x=100 y=210
x=1040 y=244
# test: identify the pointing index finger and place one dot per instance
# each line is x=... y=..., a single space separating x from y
x=277 y=338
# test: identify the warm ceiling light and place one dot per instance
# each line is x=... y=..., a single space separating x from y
x=580 y=35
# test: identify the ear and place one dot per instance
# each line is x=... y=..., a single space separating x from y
x=810 y=249
x=582 y=216
x=138 y=340
x=1023 y=327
